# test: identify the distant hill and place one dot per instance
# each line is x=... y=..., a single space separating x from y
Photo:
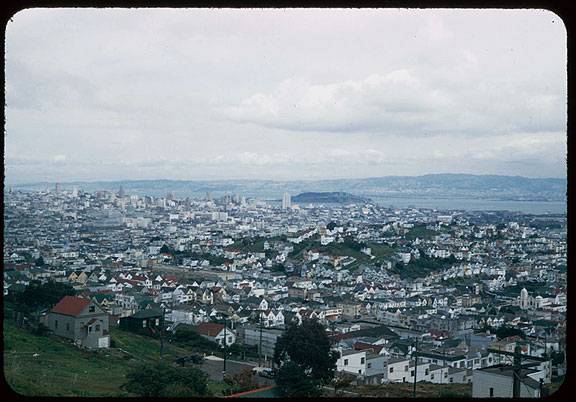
x=453 y=186
x=328 y=197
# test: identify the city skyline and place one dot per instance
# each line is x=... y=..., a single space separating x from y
x=192 y=94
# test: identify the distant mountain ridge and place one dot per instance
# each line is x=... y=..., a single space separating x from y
x=489 y=187
x=328 y=197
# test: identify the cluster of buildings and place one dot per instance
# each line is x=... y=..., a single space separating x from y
x=403 y=294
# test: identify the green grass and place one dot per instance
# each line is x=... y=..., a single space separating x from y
x=420 y=232
x=380 y=250
x=61 y=369
x=145 y=348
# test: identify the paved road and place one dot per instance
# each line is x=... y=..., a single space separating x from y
x=214 y=370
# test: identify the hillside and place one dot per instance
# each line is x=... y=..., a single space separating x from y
x=328 y=197
x=487 y=187
x=50 y=366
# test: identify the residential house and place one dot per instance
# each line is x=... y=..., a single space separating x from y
x=81 y=320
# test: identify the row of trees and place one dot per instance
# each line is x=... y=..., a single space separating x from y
x=39 y=295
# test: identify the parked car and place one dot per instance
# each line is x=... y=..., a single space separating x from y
x=195 y=358
x=267 y=373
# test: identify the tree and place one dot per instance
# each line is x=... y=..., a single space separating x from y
x=505 y=332
x=37 y=295
x=292 y=381
x=165 y=249
x=186 y=335
x=307 y=346
x=342 y=380
x=160 y=379
x=40 y=262
x=240 y=382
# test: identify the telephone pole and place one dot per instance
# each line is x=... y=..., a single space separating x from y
x=517 y=365
x=516 y=376
x=260 y=348
x=415 y=352
x=161 y=331
x=225 y=350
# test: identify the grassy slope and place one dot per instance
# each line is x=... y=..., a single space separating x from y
x=60 y=369
x=420 y=232
x=63 y=370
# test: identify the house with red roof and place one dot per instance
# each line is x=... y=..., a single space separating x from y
x=215 y=332
x=82 y=320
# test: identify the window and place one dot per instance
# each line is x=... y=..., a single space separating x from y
x=67 y=326
x=157 y=321
x=451 y=379
x=91 y=309
x=359 y=371
x=362 y=360
x=55 y=324
x=432 y=376
x=391 y=369
x=427 y=371
x=403 y=379
x=405 y=368
x=345 y=362
x=489 y=360
x=97 y=327
x=464 y=378
x=491 y=392
x=411 y=373
x=89 y=329
x=143 y=323
x=369 y=365
x=445 y=375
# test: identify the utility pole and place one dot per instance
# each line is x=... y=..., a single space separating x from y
x=161 y=330
x=541 y=388
x=443 y=363
x=516 y=376
x=225 y=350
x=260 y=348
x=415 y=352
x=517 y=365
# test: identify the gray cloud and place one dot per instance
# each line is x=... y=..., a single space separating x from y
x=143 y=93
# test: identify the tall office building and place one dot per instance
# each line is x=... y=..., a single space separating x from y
x=286 y=201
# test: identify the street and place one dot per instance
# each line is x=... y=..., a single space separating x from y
x=213 y=367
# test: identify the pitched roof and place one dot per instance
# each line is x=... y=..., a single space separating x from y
x=209 y=328
x=71 y=305
x=367 y=346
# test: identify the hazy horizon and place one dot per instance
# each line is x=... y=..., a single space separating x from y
x=283 y=94
x=272 y=180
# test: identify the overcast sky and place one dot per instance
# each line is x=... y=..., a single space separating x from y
x=106 y=94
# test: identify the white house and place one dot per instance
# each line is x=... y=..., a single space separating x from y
x=352 y=361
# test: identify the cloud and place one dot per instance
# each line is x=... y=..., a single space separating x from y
x=283 y=93
x=398 y=100
x=401 y=102
x=59 y=158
